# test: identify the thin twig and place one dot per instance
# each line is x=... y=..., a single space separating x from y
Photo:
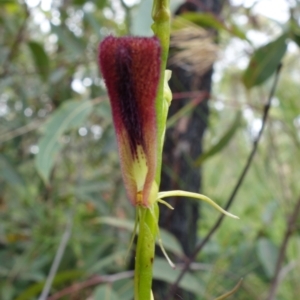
x=56 y=262
x=291 y=225
x=230 y=200
x=6 y=136
x=95 y=280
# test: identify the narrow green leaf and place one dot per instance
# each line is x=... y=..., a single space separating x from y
x=264 y=62
x=294 y=32
x=124 y=288
x=115 y=222
x=267 y=254
x=3 y=2
x=222 y=143
x=8 y=172
x=204 y=20
x=162 y=271
x=105 y=292
x=40 y=58
x=70 y=115
x=184 y=111
x=208 y=20
x=296 y=37
x=94 y=23
x=169 y=240
x=69 y=41
x=60 y=279
x=106 y=262
x=238 y=31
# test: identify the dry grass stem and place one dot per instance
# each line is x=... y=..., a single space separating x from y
x=194 y=47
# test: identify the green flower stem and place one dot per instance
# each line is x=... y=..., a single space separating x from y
x=161 y=16
x=148 y=217
x=145 y=252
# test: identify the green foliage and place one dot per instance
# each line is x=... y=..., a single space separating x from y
x=224 y=140
x=40 y=58
x=268 y=254
x=70 y=115
x=208 y=20
x=264 y=62
x=105 y=293
x=58 y=158
x=162 y=271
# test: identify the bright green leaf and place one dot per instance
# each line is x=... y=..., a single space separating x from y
x=70 y=115
x=264 y=62
x=222 y=143
x=40 y=58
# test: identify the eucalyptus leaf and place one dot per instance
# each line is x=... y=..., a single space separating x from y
x=40 y=58
x=162 y=271
x=105 y=292
x=209 y=20
x=264 y=62
x=296 y=38
x=61 y=278
x=124 y=288
x=222 y=143
x=169 y=240
x=70 y=115
x=267 y=253
x=8 y=172
x=69 y=41
x=204 y=19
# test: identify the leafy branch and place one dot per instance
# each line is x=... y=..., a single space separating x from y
x=231 y=198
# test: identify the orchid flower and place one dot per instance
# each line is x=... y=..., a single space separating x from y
x=134 y=72
x=131 y=69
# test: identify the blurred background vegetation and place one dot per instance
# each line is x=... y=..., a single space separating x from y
x=61 y=193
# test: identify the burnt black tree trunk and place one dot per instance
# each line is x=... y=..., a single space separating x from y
x=183 y=145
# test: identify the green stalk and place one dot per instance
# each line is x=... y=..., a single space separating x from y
x=161 y=28
x=145 y=252
x=148 y=217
